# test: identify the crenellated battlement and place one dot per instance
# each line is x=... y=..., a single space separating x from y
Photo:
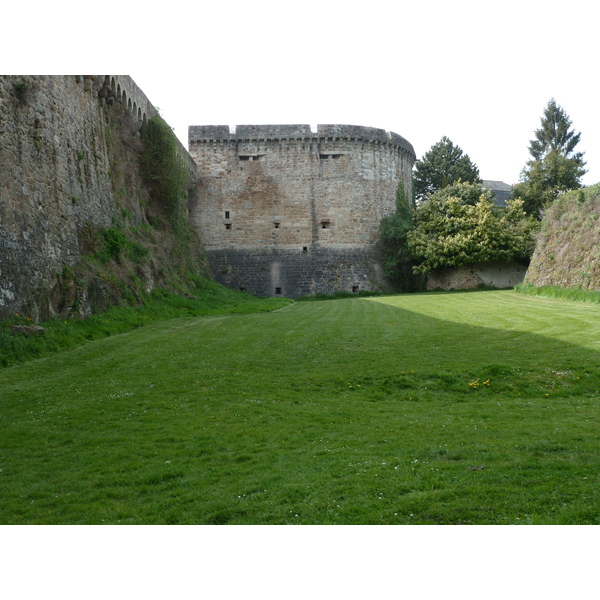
x=292 y=210
x=281 y=209
x=243 y=133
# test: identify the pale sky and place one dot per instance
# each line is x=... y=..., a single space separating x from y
x=477 y=72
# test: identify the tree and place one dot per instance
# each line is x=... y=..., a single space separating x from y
x=555 y=135
x=443 y=165
x=459 y=225
x=397 y=260
x=555 y=166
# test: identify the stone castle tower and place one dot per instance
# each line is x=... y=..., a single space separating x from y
x=286 y=210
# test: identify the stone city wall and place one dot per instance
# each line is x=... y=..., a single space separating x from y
x=285 y=210
x=55 y=175
x=496 y=274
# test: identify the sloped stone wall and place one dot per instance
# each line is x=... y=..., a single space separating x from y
x=566 y=253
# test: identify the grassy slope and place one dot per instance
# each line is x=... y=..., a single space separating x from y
x=439 y=408
x=61 y=334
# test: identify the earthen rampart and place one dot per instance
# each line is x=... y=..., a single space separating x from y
x=287 y=210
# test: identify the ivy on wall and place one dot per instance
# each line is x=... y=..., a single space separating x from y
x=165 y=176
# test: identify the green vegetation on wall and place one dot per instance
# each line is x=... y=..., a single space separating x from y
x=566 y=252
x=117 y=247
x=165 y=176
x=398 y=262
x=149 y=243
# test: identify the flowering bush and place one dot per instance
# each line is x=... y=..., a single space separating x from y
x=460 y=225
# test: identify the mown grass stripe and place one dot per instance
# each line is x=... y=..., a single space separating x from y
x=378 y=410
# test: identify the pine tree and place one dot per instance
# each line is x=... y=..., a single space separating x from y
x=555 y=135
x=555 y=166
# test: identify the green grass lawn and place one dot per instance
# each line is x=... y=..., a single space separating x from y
x=472 y=408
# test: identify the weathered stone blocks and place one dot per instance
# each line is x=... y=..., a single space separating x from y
x=285 y=210
x=56 y=176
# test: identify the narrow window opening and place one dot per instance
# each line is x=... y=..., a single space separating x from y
x=324 y=224
x=276 y=225
x=227 y=225
x=305 y=249
x=278 y=290
x=249 y=157
x=354 y=289
x=227 y=214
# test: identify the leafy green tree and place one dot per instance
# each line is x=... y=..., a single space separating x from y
x=397 y=260
x=459 y=225
x=443 y=165
x=555 y=167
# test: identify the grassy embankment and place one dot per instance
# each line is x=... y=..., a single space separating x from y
x=425 y=408
x=566 y=253
x=61 y=334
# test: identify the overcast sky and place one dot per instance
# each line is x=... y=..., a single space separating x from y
x=481 y=76
x=480 y=73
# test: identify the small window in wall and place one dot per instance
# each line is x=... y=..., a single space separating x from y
x=278 y=290
x=325 y=223
x=354 y=289
x=227 y=214
x=246 y=157
x=242 y=289
x=227 y=225
x=276 y=224
x=305 y=249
